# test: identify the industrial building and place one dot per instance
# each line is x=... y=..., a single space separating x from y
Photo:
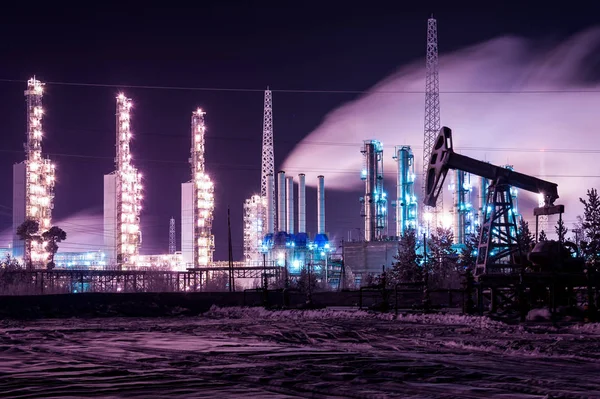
x=123 y=196
x=33 y=183
x=197 y=203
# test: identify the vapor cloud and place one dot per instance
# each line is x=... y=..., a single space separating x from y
x=495 y=126
x=84 y=232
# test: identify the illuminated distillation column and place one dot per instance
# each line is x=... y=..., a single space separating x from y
x=39 y=174
x=203 y=195
x=255 y=209
x=375 y=199
x=406 y=201
x=462 y=211
x=129 y=189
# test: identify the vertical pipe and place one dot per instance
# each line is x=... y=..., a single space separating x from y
x=301 y=203
x=281 y=201
x=370 y=191
x=458 y=221
x=290 y=204
x=321 y=205
x=483 y=187
x=270 y=203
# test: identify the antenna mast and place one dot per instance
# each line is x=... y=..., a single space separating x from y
x=432 y=113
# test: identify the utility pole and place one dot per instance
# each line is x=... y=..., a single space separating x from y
x=231 y=280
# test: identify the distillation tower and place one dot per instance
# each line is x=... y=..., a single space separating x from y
x=432 y=114
x=33 y=184
x=197 y=241
x=374 y=208
x=172 y=237
x=463 y=222
x=259 y=210
x=123 y=196
x=406 y=200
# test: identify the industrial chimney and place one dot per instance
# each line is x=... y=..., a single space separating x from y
x=290 y=204
x=301 y=203
x=270 y=202
x=281 y=201
x=321 y=205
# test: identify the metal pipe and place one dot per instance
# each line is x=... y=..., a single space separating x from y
x=321 y=205
x=370 y=191
x=483 y=188
x=290 y=204
x=281 y=201
x=270 y=204
x=301 y=203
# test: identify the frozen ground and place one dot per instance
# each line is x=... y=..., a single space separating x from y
x=254 y=353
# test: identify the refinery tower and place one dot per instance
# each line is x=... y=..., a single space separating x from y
x=33 y=183
x=122 y=196
x=197 y=203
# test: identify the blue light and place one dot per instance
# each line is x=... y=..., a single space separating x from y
x=363 y=173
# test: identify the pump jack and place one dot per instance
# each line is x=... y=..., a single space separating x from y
x=500 y=265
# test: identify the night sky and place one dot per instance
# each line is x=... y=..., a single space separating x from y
x=325 y=46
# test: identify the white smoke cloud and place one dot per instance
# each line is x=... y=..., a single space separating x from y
x=85 y=232
x=482 y=123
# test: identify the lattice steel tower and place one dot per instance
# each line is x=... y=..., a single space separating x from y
x=432 y=110
x=172 y=239
x=203 y=196
x=268 y=158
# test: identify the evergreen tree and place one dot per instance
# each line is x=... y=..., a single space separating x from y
x=591 y=227
x=561 y=230
x=467 y=257
x=442 y=265
x=525 y=238
x=543 y=236
x=406 y=269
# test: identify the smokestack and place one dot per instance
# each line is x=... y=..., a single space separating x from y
x=321 y=205
x=270 y=203
x=281 y=201
x=301 y=203
x=290 y=204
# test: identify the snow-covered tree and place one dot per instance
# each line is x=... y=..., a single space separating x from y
x=406 y=269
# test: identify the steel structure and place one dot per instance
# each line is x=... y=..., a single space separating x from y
x=375 y=200
x=255 y=209
x=268 y=157
x=406 y=200
x=462 y=210
x=432 y=112
x=128 y=189
x=39 y=176
x=498 y=237
x=203 y=196
x=172 y=237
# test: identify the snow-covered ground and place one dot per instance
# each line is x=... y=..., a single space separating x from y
x=234 y=352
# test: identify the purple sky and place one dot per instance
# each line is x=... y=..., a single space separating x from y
x=330 y=46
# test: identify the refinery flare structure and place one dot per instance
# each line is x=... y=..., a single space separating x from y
x=33 y=183
x=197 y=203
x=123 y=196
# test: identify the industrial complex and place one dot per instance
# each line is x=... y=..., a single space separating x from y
x=274 y=218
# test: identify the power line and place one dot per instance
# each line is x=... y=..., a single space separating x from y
x=300 y=91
